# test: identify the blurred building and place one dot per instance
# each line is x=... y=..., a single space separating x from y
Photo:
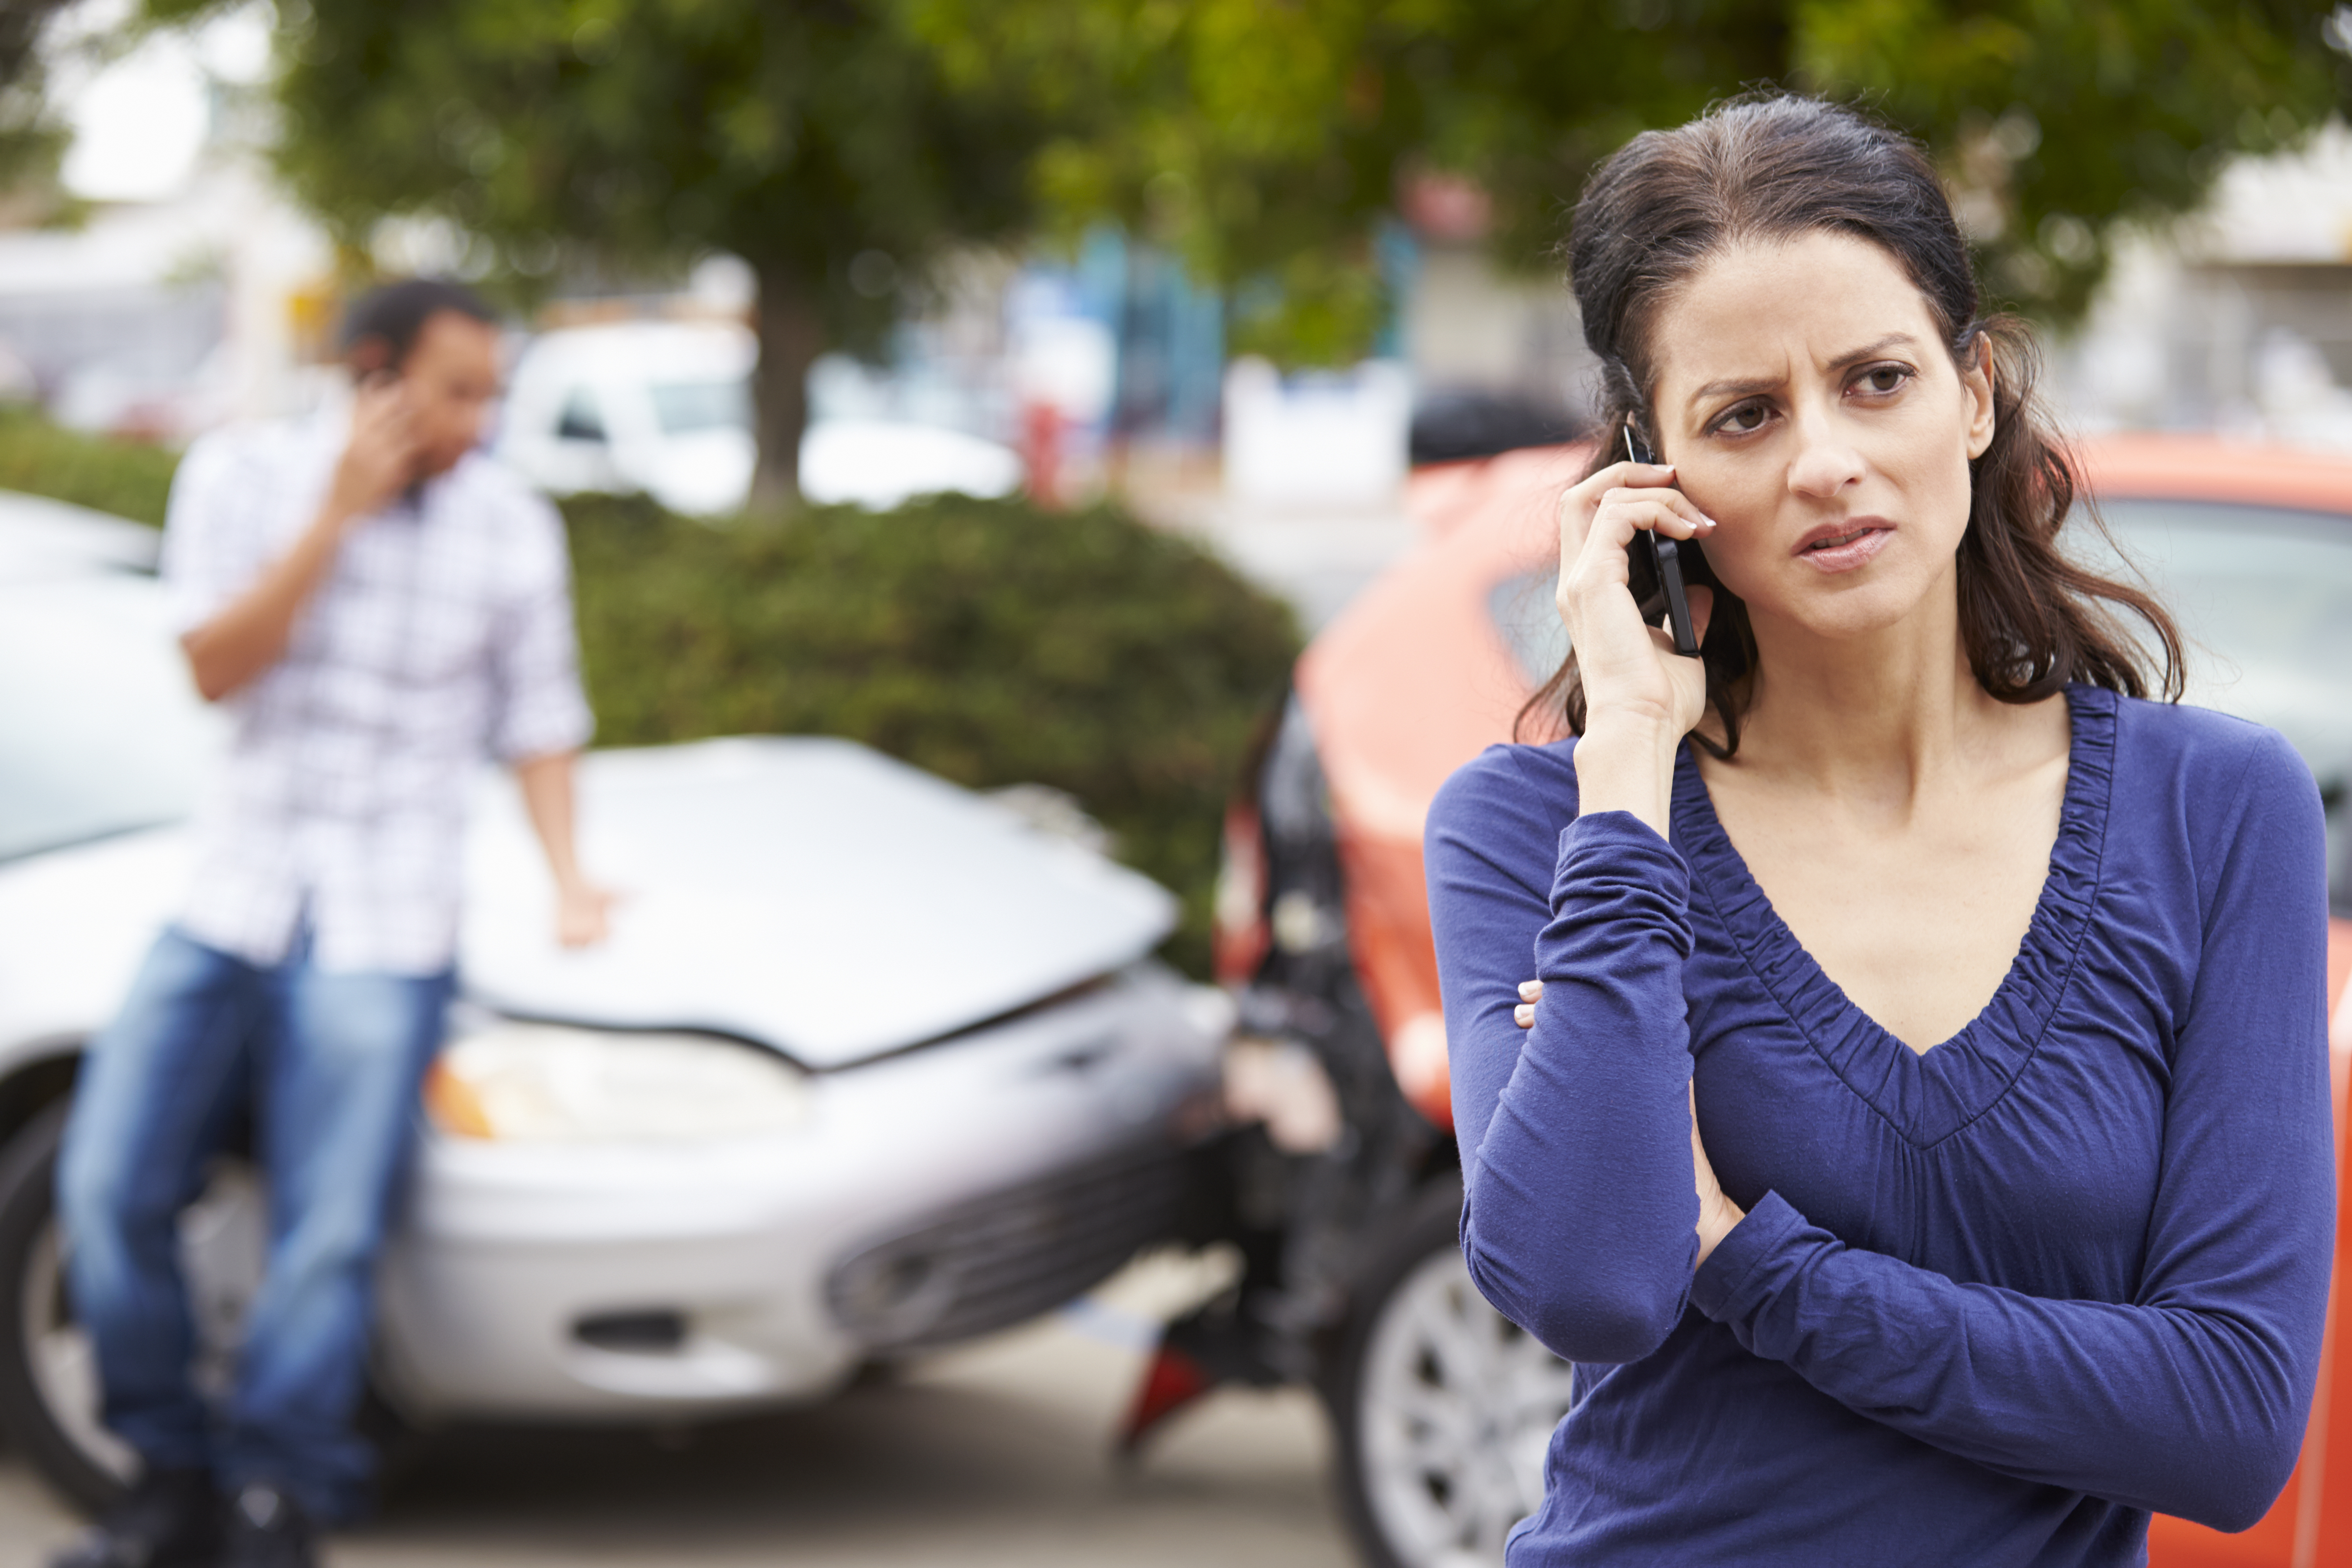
x=160 y=319
x=2238 y=319
x=185 y=289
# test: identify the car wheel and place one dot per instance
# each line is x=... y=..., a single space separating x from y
x=48 y=1373
x=1444 y=1408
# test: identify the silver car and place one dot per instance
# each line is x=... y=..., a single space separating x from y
x=870 y=1064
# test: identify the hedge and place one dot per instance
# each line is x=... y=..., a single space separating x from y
x=129 y=479
x=990 y=642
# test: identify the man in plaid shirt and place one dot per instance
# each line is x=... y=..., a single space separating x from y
x=378 y=605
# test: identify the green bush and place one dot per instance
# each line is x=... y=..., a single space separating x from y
x=988 y=642
x=127 y=479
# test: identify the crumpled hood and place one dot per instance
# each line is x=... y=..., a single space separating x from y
x=803 y=893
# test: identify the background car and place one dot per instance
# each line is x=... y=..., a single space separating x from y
x=1442 y=1408
x=666 y=407
x=868 y=1066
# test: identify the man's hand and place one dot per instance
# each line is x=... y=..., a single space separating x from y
x=584 y=914
x=378 y=459
x=246 y=638
x=584 y=911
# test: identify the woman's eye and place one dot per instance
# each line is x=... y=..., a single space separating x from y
x=1885 y=378
x=1747 y=416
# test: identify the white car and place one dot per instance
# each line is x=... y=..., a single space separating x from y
x=666 y=407
x=869 y=1064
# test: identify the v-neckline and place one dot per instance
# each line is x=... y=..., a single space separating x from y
x=1926 y=1095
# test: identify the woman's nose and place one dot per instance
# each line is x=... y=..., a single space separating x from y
x=1825 y=462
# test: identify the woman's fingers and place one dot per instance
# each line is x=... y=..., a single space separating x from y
x=1668 y=510
x=1578 y=502
x=1628 y=667
x=1530 y=992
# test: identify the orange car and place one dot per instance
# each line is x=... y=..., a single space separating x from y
x=1441 y=1406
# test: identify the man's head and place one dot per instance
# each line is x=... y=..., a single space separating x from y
x=440 y=342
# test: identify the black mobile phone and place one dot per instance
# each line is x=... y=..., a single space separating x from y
x=1656 y=563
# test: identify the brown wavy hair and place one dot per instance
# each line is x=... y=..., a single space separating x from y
x=1776 y=167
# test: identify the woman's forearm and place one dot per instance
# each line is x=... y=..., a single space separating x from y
x=1580 y=1212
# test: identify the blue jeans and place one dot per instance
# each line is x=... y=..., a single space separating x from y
x=332 y=1063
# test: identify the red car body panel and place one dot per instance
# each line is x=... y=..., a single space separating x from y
x=1415 y=680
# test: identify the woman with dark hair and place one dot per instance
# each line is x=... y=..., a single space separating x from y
x=1906 y=1101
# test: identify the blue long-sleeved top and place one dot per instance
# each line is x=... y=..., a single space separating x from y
x=1991 y=1304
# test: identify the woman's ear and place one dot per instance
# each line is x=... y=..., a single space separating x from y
x=1976 y=381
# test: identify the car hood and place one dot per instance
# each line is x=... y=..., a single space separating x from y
x=807 y=893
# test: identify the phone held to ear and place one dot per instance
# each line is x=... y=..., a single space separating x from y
x=1657 y=563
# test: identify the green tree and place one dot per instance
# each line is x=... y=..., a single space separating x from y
x=626 y=137
x=1265 y=143
x=30 y=138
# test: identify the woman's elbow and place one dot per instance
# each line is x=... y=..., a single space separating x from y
x=2229 y=1509
x=2233 y=1488
x=1593 y=1319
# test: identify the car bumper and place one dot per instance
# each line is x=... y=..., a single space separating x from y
x=929 y=1196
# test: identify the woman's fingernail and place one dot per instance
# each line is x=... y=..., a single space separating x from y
x=1707 y=523
x=1523 y=1013
x=1530 y=989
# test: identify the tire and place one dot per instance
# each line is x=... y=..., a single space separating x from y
x=1441 y=1406
x=49 y=1376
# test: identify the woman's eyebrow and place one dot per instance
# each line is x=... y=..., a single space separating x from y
x=1871 y=351
x=1766 y=384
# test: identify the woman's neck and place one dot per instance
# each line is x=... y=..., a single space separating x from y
x=1879 y=719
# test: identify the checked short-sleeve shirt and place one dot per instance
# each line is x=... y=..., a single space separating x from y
x=441 y=636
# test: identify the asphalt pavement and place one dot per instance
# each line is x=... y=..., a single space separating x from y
x=995 y=1454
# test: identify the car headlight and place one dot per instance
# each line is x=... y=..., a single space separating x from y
x=546 y=1083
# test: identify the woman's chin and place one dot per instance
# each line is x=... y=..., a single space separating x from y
x=1849 y=606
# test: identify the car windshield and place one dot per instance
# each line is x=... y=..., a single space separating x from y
x=2262 y=595
x=684 y=408
x=101 y=731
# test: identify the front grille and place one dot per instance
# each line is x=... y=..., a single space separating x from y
x=992 y=1263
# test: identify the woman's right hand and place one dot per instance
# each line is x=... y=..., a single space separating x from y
x=1630 y=670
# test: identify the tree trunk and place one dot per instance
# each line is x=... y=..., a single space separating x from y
x=790 y=338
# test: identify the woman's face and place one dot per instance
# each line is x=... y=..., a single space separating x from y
x=1808 y=406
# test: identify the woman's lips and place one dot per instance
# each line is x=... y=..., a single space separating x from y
x=1847 y=548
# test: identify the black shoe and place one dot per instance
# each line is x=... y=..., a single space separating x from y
x=170 y=1520
x=267 y=1529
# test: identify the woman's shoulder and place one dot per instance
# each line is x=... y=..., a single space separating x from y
x=1508 y=792
x=2203 y=755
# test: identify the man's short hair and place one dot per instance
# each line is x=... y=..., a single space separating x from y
x=394 y=315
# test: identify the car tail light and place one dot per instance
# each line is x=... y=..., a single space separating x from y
x=1241 y=932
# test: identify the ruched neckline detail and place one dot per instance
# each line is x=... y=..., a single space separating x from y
x=1925 y=1097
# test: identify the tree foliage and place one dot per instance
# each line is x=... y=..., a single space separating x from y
x=1265 y=142
x=31 y=140
x=626 y=137
x=1268 y=141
